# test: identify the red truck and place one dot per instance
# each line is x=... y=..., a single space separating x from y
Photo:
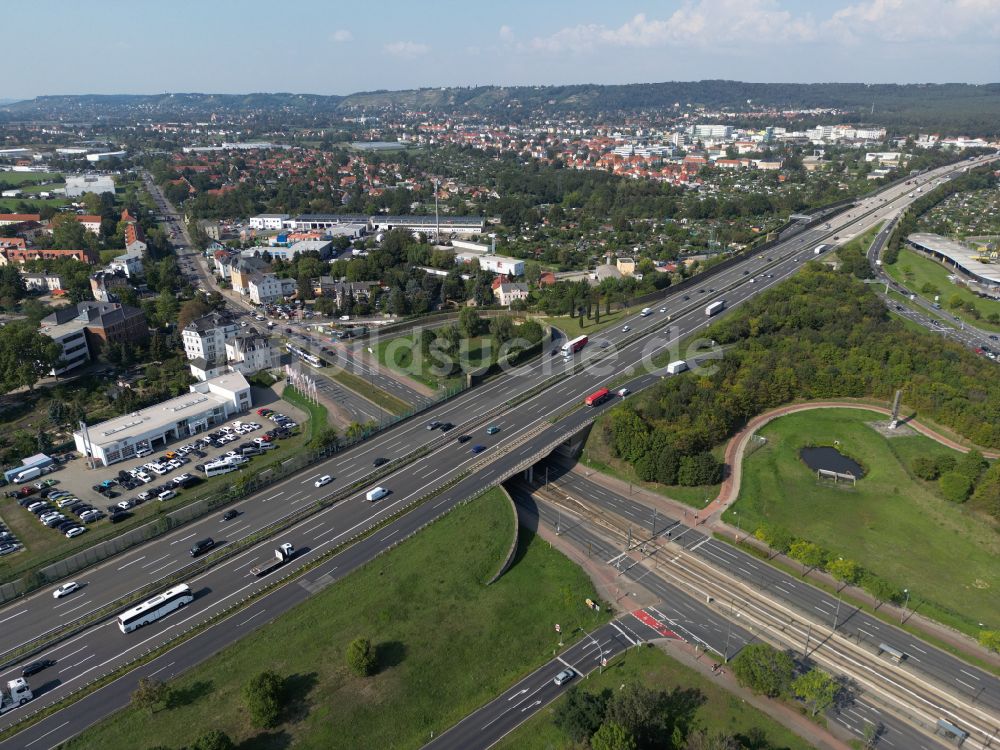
x=597 y=397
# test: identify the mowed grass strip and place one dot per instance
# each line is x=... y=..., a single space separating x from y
x=914 y=270
x=446 y=644
x=892 y=523
x=373 y=393
x=719 y=710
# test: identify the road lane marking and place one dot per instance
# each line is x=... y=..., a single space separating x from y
x=41 y=737
x=153 y=562
x=71 y=666
x=182 y=539
x=16 y=614
x=251 y=617
x=81 y=604
x=133 y=562
x=273 y=496
x=167 y=666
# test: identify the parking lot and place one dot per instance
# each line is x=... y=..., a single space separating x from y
x=70 y=502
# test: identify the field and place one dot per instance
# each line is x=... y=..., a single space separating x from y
x=892 y=524
x=399 y=354
x=597 y=455
x=13 y=179
x=914 y=270
x=445 y=644
x=572 y=328
x=719 y=711
x=862 y=242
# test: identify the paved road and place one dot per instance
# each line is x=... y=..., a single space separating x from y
x=937 y=667
x=98 y=650
x=195 y=268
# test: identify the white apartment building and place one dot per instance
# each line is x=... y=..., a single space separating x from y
x=266 y=288
x=206 y=337
x=72 y=339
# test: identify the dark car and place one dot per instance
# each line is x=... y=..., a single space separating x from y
x=478 y=448
x=202 y=546
x=446 y=426
x=463 y=438
x=686 y=298
x=118 y=515
x=229 y=515
x=380 y=461
x=37 y=666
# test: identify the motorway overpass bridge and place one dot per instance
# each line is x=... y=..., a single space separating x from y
x=537 y=407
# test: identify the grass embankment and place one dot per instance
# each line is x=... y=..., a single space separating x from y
x=861 y=243
x=446 y=643
x=572 y=328
x=914 y=271
x=14 y=179
x=597 y=455
x=404 y=356
x=362 y=387
x=718 y=710
x=43 y=546
x=892 y=523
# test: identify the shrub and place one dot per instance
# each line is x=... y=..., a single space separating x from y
x=361 y=657
x=213 y=739
x=955 y=487
x=925 y=467
x=262 y=696
x=764 y=669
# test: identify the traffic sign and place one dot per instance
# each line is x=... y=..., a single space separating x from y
x=558 y=629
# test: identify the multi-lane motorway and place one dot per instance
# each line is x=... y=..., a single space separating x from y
x=526 y=426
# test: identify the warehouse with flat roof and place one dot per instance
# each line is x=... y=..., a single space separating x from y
x=961 y=257
x=209 y=403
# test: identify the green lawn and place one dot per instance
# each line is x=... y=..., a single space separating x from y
x=862 y=242
x=404 y=356
x=893 y=524
x=598 y=456
x=914 y=270
x=13 y=179
x=318 y=418
x=373 y=393
x=572 y=328
x=11 y=204
x=717 y=709
x=446 y=643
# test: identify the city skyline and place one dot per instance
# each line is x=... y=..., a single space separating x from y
x=229 y=47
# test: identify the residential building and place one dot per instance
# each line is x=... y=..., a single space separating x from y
x=625 y=265
x=77 y=186
x=71 y=335
x=340 y=290
x=106 y=286
x=8 y=219
x=23 y=255
x=493 y=263
x=266 y=288
x=91 y=223
x=252 y=352
x=205 y=338
x=209 y=403
x=42 y=282
x=507 y=293
x=129 y=264
x=241 y=268
x=211 y=228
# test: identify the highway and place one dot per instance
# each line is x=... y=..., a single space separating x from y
x=525 y=429
x=678 y=614
x=927 y=664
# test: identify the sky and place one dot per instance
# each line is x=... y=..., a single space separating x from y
x=330 y=47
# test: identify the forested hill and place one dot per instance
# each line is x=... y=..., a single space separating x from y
x=951 y=107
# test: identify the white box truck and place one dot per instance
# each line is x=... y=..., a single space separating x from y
x=646 y=311
x=716 y=307
x=376 y=494
x=675 y=367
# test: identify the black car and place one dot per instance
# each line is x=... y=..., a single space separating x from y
x=117 y=515
x=380 y=461
x=202 y=546
x=463 y=438
x=37 y=666
x=446 y=426
x=229 y=515
x=686 y=298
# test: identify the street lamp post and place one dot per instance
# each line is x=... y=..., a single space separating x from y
x=902 y=617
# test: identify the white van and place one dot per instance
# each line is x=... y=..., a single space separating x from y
x=376 y=494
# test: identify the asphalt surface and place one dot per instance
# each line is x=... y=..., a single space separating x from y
x=196 y=269
x=103 y=647
x=937 y=667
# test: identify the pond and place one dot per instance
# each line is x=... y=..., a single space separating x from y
x=825 y=457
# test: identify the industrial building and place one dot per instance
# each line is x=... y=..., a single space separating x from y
x=209 y=403
x=962 y=258
x=77 y=186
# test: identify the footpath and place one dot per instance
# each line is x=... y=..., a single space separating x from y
x=711 y=517
x=628 y=596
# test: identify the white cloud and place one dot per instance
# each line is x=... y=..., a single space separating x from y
x=914 y=20
x=342 y=35
x=695 y=23
x=406 y=50
x=506 y=33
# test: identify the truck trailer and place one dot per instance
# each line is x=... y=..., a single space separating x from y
x=716 y=307
x=574 y=345
x=282 y=554
x=675 y=367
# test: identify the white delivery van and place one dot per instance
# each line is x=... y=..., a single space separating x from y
x=376 y=494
